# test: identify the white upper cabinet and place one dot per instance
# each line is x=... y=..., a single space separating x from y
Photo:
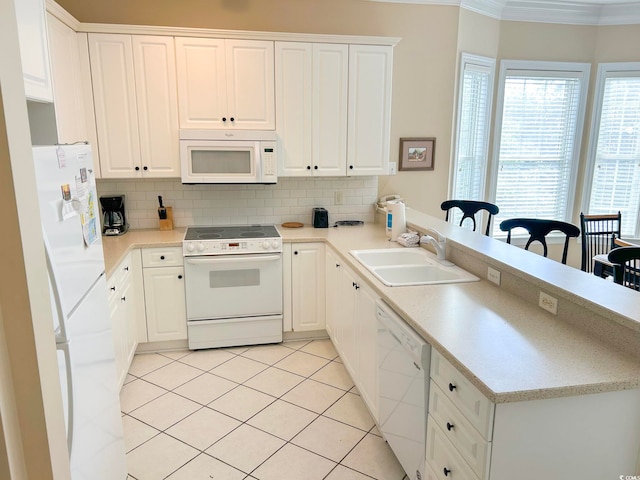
x=135 y=105
x=34 y=50
x=311 y=105
x=225 y=83
x=369 y=125
x=66 y=48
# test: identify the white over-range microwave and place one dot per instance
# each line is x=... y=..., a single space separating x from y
x=228 y=156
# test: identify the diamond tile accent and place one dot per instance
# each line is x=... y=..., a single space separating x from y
x=203 y=428
x=274 y=381
x=242 y=403
x=164 y=411
x=205 y=388
x=282 y=419
x=172 y=375
x=239 y=369
x=314 y=396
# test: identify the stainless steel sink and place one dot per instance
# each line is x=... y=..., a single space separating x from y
x=397 y=267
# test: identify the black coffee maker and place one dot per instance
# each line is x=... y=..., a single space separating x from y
x=114 y=221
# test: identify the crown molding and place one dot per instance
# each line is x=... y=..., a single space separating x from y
x=545 y=11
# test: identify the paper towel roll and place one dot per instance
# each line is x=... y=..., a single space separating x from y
x=398 y=219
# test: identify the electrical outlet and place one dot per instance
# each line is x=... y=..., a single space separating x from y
x=548 y=303
x=393 y=168
x=493 y=276
x=338 y=198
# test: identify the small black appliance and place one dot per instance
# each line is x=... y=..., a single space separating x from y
x=320 y=218
x=114 y=220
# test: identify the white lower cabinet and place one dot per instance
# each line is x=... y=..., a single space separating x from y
x=122 y=310
x=471 y=438
x=351 y=304
x=304 y=265
x=164 y=296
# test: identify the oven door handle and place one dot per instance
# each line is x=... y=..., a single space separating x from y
x=232 y=258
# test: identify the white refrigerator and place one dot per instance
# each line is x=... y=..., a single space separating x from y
x=70 y=214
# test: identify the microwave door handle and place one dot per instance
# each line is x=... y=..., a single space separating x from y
x=232 y=259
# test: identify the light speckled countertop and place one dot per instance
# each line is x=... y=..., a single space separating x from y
x=511 y=350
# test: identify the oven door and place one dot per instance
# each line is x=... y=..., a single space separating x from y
x=231 y=286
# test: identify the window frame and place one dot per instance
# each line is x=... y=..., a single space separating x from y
x=580 y=70
x=605 y=70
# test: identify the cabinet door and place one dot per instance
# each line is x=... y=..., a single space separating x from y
x=250 y=84
x=308 y=299
x=34 y=51
x=293 y=105
x=366 y=333
x=369 y=125
x=202 y=89
x=157 y=101
x=346 y=319
x=330 y=85
x=67 y=82
x=332 y=294
x=112 y=76
x=165 y=303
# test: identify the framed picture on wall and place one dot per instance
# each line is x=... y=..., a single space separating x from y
x=417 y=153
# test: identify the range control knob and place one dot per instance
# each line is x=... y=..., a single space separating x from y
x=266 y=245
x=275 y=243
x=200 y=247
x=190 y=247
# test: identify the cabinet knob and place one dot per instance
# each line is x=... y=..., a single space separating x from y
x=350 y=167
x=452 y=387
x=179 y=277
x=449 y=426
x=315 y=167
x=224 y=119
x=137 y=169
x=337 y=265
x=295 y=253
x=446 y=471
x=161 y=257
x=232 y=119
x=308 y=167
x=355 y=285
x=145 y=168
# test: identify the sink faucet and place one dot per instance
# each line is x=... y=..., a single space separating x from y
x=439 y=242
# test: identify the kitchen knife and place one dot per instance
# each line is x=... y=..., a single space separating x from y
x=162 y=212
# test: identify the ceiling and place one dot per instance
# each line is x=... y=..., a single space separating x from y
x=583 y=12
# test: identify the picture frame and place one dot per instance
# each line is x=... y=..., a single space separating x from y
x=417 y=154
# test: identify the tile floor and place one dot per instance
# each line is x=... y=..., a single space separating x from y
x=272 y=412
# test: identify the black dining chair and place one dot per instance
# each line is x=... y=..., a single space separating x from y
x=538 y=230
x=626 y=266
x=469 y=209
x=598 y=232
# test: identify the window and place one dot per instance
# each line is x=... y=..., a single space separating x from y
x=614 y=153
x=538 y=133
x=475 y=95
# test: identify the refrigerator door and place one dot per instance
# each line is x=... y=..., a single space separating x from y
x=97 y=449
x=70 y=218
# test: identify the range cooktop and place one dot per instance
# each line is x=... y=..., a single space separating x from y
x=231 y=239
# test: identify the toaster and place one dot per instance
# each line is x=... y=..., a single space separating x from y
x=320 y=218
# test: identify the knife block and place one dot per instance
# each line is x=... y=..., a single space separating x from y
x=167 y=223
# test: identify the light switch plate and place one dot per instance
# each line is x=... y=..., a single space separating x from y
x=393 y=168
x=493 y=276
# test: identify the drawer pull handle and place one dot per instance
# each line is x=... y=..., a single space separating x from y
x=126 y=269
x=113 y=289
x=179 y=277
x=123 y=299
x=449 y=426
x=452 y=387
x=337 y=265
x=161 y=257
x=446 y=471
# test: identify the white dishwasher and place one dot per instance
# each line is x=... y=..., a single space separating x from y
x=403 y=389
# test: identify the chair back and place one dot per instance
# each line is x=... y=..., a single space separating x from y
x=598 y=232
x=626 y=266
x=469 y=209
x=538 y=230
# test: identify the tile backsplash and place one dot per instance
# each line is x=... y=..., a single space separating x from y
x=290 y=200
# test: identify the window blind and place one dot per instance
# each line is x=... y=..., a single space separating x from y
x=616 y=175
x=537 y=153
x=474 y=112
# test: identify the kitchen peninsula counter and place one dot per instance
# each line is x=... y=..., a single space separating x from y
x=507 y=346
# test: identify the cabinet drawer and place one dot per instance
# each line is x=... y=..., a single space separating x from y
x=467 y=398
x=462 y=434
x=442 y=457
x=162 y=257
x=119 y=277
